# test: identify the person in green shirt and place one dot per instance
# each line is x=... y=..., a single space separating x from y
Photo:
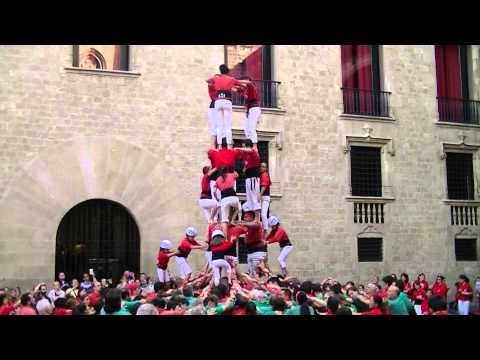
x=113 y=304
x=396 y=304
x=404 y=297
x=188 y=294
x=215 y=308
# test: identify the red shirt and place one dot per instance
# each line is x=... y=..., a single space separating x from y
x=6 y=309
x=441 y=312
x=211 y=92
x=251 y=96
x=265 y=182
x=185 y=247
x=424 y=284
x=254 y=235
x=376 y=311
x=279 y=235
x=235 y=231
x=211 y=228
x=226 y=157
x=424 y=307
x=252 y=159
x=419 y=295
x=228 y=183
x=213 y=156
x=464 y=287
x=222 y=247
x=162 y=260
x=239 y=311
x=205 y=184
x=61 y=312
x=94 y=298
x=224 y=82
x=440 y=290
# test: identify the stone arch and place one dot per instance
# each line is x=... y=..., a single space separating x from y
x=84 y=168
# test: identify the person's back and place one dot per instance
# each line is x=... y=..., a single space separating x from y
x=397 y=306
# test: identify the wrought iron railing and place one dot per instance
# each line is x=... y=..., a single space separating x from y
x=462 y=111
x=366 y=102
x=267 y=94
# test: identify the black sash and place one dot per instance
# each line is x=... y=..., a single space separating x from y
x=228 y=192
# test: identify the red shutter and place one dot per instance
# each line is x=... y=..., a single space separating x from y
x=365 y=81
x=116 y=57
x=449 y=83
x=347 y=66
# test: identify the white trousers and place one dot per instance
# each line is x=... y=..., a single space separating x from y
x=418 y=309
x=183 y=267
x=227 y=203
x=283 y=256
x=212 y=121
x=253 y=259
x=217 y=266
x=265 y=205
x=223 y=113
x=463 y=307
x=207 y=205
x=251 y=121
x=216 y=194
x=208 y=256
x=162 y=275
x=253 y=191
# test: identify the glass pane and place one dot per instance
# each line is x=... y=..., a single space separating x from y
x=245 y=60
x=105 y=57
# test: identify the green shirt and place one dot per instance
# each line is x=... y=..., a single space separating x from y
x=190 y=300
x=129 y=305
x=406 y=300
x=122 y=311
x=397 y=306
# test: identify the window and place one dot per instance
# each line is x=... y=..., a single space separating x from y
x=466 y=249
x=262 y=150
x=361 y=82
x=453 y=85
x=254 y=61
x=460 y=181
x=370 y=249
x=366 y=174
x=103 y=57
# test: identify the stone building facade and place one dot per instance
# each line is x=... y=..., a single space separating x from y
x=140 y=138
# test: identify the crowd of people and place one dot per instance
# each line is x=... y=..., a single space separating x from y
x=241 y=294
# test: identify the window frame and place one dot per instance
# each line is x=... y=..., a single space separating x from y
x=452 y=151
x=125 y=60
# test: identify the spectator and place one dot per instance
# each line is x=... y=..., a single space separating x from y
x=63 y=281
x=147 y=309
x=44 y=307
x=6 y=305
x=87 y=283
x=26 y=305
x=440 y=287
x=437 y=305
x=56 y=292
x=465 y=294
x=95 y=296
x=113 y=304
x=396 y=304
x=376 y=305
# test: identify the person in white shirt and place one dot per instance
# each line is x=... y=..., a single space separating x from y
x=56 y=292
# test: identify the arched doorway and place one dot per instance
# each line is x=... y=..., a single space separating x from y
x=99 y=234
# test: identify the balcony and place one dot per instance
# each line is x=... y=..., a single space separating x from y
x=366 y=102
x=267 y=94
x=461 y=111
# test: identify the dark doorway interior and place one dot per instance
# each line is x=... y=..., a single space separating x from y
x=99 y=234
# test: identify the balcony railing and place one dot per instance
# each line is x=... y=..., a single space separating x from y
x=461 y=111
x=368 y=213
x=463 y=215
x=366 y=102
x=267 y=94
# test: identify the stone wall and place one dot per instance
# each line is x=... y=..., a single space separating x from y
x=66 y=136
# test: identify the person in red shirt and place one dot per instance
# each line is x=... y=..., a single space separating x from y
x=254 y=241
x=5 y=306
x=224 y=85
x=465 y=294
x=440 y=287
x=375 y=305
x=407 y=287
x=279 y=235
x=211 y=115
x=186 y=246
x=422 y=281
x=264 y=196
x=252 y=179
x=424 y=306
x=437 y=306
x=419 y=296
x=229 y=199
x=95 y=295
x=218 y=246
x=252 y=104
x=164 y=255
x=209 y=205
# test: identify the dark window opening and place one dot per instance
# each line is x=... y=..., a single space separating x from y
x=466 y=249
x=460 y=182
x=370 y=249
x=99 y=234
x=366 y=172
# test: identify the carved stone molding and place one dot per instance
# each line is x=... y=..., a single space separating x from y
x=368 y=139
x=370 y=231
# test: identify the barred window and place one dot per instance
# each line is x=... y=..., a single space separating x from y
x=460 y=181
x=366 y=172
x=370 y=249
x=466 y=249
x=103 y=57
x=262 y=150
